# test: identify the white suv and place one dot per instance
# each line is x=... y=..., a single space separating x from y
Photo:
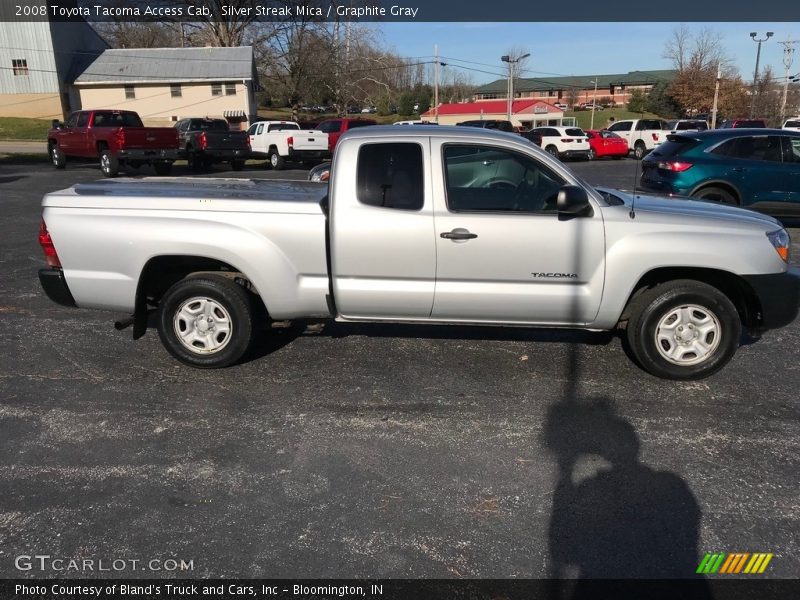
x=564 y=142
x=792 y=123
x=642 y=135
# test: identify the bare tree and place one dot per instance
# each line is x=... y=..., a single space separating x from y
x=696 y=58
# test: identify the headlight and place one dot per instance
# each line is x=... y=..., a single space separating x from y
x=781 y=242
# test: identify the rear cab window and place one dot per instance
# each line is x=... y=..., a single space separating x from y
x=390 y=175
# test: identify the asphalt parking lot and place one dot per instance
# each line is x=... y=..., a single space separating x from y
x=379 y=451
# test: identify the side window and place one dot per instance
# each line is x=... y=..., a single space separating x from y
x=252 y=129
x=83 y=119
x=791 y=149
x=483 y=178
x=73 y=120
x=390 y=176
x=621 y=126
x=763 y=147
x=260 y=129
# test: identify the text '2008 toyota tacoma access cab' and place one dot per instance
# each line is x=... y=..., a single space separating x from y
x=431 y=225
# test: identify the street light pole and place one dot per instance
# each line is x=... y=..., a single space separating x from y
x=753 y=35
x=510 y=87
x=594 y=101
x=788 y=51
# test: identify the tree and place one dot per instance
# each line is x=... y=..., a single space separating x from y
x=659 y=101
x=697 y=58
x=636 y=101
x=405 y=106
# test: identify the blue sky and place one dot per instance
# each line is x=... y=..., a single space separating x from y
x=581 y=48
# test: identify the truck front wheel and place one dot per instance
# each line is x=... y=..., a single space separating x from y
x=206 y=321
x=683 y=329
x=57 y=157
x=109 y=164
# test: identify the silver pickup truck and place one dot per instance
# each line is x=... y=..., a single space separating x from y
x=441 y=225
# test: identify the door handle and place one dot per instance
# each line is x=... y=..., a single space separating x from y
x=458 y=235
x=738 y=169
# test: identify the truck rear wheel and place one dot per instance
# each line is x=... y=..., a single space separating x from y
x=639 y=150
x=206 y=321
x=109 y=164
x=276 y=161
x=683 y=329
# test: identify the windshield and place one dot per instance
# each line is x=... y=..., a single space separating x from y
x=209 y=126
x=674 y=146
x=574 y=131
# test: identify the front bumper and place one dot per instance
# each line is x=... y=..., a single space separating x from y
x=55 y=286
x=779 y=296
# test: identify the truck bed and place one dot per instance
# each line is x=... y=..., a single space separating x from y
x=107 y=232
x=185 y=193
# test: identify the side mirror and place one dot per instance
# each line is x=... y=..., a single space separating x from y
x=574 y=201
x=56 y=124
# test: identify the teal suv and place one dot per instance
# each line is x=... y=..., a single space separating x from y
x=751 y=168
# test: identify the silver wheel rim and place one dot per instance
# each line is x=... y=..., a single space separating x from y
x=687 y=335
x=590 y=155
x=105 y=163
x=202 y=325
x=54 y=155
x=273 y=159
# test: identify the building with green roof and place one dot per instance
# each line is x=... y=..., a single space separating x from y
x=576 y=89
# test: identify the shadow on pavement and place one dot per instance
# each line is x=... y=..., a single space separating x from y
x=613 y=516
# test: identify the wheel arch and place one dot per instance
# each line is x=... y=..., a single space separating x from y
x=720 y=183
x=740 y=293
x=161 y=272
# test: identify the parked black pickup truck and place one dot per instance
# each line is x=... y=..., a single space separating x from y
x=208 y=141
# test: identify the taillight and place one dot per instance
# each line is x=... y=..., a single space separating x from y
x=655 y=137
x=203 y=141
x=290 y=141
x=247 y=140
x=675 y=166
x=46 y=242
x=566 y=139
x=119 y=137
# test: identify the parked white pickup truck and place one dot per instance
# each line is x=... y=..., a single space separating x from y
x=281 y=141
x=430 y=225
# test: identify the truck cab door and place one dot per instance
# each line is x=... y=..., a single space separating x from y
x=256 y=140
x=383 y=253
x=504 y=254
x=66 y=135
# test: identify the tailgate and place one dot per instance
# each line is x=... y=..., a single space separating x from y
x=309 y=140
x=150 y=138
x=227 y=140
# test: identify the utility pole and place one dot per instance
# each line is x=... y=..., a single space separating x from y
x=716 y=97
x=753 y=35
x=510 y=87
x=436 y=83
x=788 y=52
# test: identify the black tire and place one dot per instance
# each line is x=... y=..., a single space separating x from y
x=276 y=161
x=639 y=150
x=162 y=168
x=225 y=303
x=716 y=194
x=109 y=164
x=193 y=160
x=237 y=165
x=552 y=151
x=665 y=306
x=591 y=155
x=57 y=157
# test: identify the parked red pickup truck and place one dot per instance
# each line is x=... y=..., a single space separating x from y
x=336 y=127
x=117 y=137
